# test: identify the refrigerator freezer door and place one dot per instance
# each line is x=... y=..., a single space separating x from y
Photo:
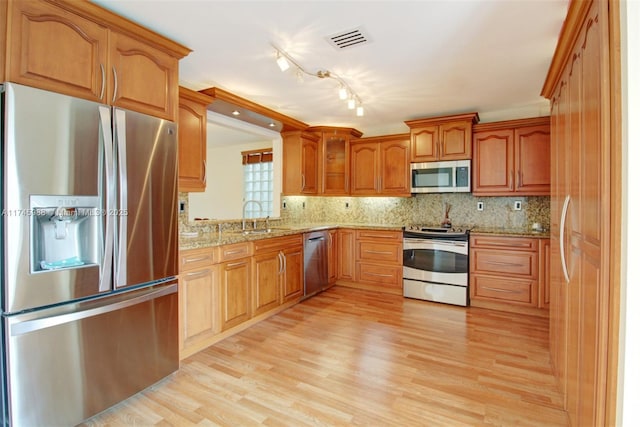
x=68 y=363
x=147 y=210
x=54 y=154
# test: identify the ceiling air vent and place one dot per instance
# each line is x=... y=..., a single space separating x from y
x=349 y=38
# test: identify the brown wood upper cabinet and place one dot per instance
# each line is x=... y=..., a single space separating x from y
x=333 y=159
x=80 y=49
x=441 y=138
x=192 y=140
x=380 y=166
x=299 y=163
x=512 y=157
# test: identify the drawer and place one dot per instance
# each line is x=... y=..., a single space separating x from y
x=379 y=252
x=277 y=243
x=379 y=234
x=379 y=274
x=193 y=259
x=235 y=251
x=501 y=242
x=504 y=263
x=504 y=290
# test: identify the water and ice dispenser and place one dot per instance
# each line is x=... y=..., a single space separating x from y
x=65 y=232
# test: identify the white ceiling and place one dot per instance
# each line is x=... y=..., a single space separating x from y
x=425 y=58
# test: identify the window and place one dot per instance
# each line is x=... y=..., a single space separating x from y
x=258 y=182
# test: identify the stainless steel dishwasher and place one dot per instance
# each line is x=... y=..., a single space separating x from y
x=316 y=275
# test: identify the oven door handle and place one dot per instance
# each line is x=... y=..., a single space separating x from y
x=458 y=247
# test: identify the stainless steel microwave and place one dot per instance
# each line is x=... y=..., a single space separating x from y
x=441 y=177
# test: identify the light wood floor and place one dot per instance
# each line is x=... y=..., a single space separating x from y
x=351 y=357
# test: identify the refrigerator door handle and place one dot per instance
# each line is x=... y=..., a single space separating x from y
x=122 y=210
x=18 y=327
x=109 y=187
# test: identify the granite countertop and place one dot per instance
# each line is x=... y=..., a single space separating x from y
x=517 y=232
x=204 y=240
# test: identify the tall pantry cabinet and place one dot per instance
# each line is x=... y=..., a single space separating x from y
x=582 y=341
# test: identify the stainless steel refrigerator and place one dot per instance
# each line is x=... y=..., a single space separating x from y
x=89 y=255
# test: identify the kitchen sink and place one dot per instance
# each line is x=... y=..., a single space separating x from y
x=258 y=231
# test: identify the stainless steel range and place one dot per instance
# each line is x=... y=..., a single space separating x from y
x=436 y=264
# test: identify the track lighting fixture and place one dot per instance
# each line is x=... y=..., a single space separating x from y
x=284 y=61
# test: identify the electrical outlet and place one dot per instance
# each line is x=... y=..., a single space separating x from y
x=517 y=205
x=284 y=205
x=346 y=205
x=480 y=206
x=182 y=206
x=304 y=204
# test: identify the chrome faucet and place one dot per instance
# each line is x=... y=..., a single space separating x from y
x=244 y=218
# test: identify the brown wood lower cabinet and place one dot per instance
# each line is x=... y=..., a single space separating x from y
x=333 y=256
x=235 y=280
x=346 y=254
x=506 y=273
x=226 y=288
x=277 y=272
x=198 y=297
x=371 y=259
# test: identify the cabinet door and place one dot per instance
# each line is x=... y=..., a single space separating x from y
x=492 y=166
x=192 y=145
x=335 y=165
x=333 y=256
x=53 y=49
x=365 y=178
x=394 y=168
x=235 y=278
x=143 y=78
x=309 y=167
x=455 y=140
x=293 y=273
x=198 y=309
x=267 y=271
x=346 y=254
x=533 y=160
x=424 y=144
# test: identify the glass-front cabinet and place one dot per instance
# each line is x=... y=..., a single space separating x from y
x=334 y=160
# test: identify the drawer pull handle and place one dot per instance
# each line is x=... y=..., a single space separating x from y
x=198 y=274
x=505 y=264
x=378 y=252
x=517 y=245
x=378 y=274
x=508 y=291
x=235 y=264
x=201 y=258
x=237 y=251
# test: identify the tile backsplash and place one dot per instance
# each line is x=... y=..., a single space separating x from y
x=428 y=209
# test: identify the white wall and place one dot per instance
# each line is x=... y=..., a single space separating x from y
x=223 y=198
x=629 y=386
x=224 y=195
